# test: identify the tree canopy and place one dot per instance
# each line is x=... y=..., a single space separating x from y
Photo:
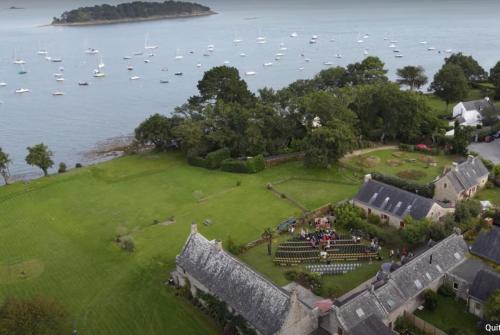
x=36 y=316
x=492 y=307
x=412 y=76
x=40 y=156
x=450 y=83
x=132 y=10
x=4 y=165
x=471 y=68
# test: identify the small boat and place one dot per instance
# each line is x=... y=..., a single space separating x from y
x=147 y=46
x=328 y=63
x=268 y=64
x=210 y=46
x=56 y=60
x=448 y=51
x=138 y=53
x=206 y=55
x=163 y=81
x=314 y=37
x=191 y=52
x=277 y=58
x=22 y=71
x=396 y=50
x=338 y=56
x=57 y=93
x=83 y=83
x=399 y=56
x=312 y=41
x=91 y=51
x=60 y=79
x=179 y=57
x=261 y=38
x=307 y=59
x=294 y=34
x=164 y=69
x=130 y=68
x=392 y=45
x=98 y=74
x=147 y=61
x=178 y=73
x=127 y=58
x=394 y=41
x=57 y=75
x=48 y=58
x=198 y=65
x=151 y=55
x=135 y=78
x=250 y=73
x=431 y=48
x=243 y=54
x=42 y=52
x=301 y=68
x=261 y=42
x=22 y=90
x=3 y=84
x=61 y=69
x=279 y=54
x=366 y=36
x=423 y=42
x=19 y=62
x=237 y=40
x=226 y=62
x=283 y=48
x=365 y=52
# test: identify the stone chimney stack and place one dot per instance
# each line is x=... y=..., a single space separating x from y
x=367 y=177
x=455 y=166
x=218 y=245
x=194 y=228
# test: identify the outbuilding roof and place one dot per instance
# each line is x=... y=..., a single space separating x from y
x=260 y=302
x=485 y=283
x=371 y=326
x=393 y=200
x=487 y=245
x=476 y=105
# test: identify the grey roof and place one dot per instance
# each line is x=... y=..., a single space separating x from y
x=305 y=295
x=485 y=283
x=371 y=326
x=477 y=105
x=467 y=174
x=468 y=270
x=393 y=200
x=402 y=285
x=487 y=245
x=259 y=301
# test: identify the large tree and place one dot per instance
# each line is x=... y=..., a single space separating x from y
x=370 y=71
x=450 y=83
x=157 y=130
x=223 y=83
x=4 y=166
x=412 y=76
x=495 y=79
x=40 y=156
x=461 y=139
x=471 y=68
x=36 y=316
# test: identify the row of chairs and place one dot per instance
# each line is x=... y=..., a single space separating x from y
x=333 y=269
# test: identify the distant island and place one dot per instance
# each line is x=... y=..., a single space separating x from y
x=130 y=12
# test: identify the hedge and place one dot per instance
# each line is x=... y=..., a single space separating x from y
x=248 y=165
x=426 y=190
x=212 y=161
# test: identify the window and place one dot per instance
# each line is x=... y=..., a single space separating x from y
x=428 y=276
x=457 y=256
x=401 y=224
x=418 y=284
x=360 y=312
x=477 y=306
x=369 y=210
x=390 y=325
x=455 y=286
x=390 y=302
x=439 y=268
x=445 y=185
x=340 y=331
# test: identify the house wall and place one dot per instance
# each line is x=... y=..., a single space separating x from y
x=476 y=307
x=444 y=191
x=437 y=212
x=300 y=320
x=393 y=220
x=458 y=109
x=462 y=290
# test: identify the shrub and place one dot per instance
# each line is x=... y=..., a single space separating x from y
x=248 y=165
x=238 y=183
x=425 y=190
x=374 y=219
x=62 y=167
x=488 y=164
x=234 y=248
x=127 y=243
x=216 y=157
x=78 y=165
x=446 y=290
x=430 y=299
x=406 y=147
x=291 y=275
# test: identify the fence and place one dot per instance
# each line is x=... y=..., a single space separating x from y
x=423 y=325
x=281 y=159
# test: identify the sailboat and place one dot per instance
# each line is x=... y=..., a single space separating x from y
x=57 y=93
x=18 y=60
x=22 y=71
x=360 y=40
x=147 y=46
x=3 y=84
x=22 y=90
x=294 y=34
x=135 y=78
x=101 y=64
x=42 y=52
x=91 y=51
x=130 y=68
x=268 y=64
x=250 y=73
x=178 y=55
x=97 y=72
x=236 y=39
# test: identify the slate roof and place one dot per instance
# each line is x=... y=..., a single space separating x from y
x=402 y=285
x=487 y=245
x=393 y=200
x=485 y=283
x=371 y=326
x=467 y=174
x=259 y=301
x=469 y=269
x=477 y=105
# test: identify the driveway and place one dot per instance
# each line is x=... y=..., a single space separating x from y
x=489 y=151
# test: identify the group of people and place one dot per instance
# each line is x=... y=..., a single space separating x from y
x=320 y=238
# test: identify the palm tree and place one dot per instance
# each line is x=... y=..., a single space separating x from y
x=267 y=235
x=4 y=166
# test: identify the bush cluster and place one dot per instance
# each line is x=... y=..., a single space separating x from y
x=211 y=161
x=248 y=165
x=426 y=190
x=446 y=290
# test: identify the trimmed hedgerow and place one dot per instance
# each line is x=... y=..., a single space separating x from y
x=212 y=161
x=248 y=165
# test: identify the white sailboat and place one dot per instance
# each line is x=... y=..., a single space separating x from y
x=98 y=74
x=42 y=52
x=328 y=63
x=268 y=64
x=237 y=39
x=360 y=40
x=18 y=60
x=250 y=73
x=57 y=93
x=294 y=34
x=243 y=54
x=3 y=84
x=431 y=48
x=22 y=90
x=147 y=46
x=101 y=64
x=135 y=78
x=178 y=55
x=91 y=51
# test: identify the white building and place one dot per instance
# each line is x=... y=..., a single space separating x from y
x=469 y=113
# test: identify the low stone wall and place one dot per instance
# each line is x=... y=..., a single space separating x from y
x=285 y=158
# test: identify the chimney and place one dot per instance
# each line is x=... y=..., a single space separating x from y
x=430 y=259
x=471 y=159
x=218 y=245
x=194 y=228
x=487 y=99
x=455 y=166
x=367 y=177
x=372 y=289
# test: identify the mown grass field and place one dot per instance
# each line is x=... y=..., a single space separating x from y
x=56 y=236
x=395 y=162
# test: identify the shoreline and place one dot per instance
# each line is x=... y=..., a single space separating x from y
x=131 y=20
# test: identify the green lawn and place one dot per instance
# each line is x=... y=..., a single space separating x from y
x=450 y=314
x=392 y=162
x=333 y=286
x=59 y=231
x=492 y=195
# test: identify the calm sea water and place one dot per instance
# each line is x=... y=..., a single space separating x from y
x=113 y=106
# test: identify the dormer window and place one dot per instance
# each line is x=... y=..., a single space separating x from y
x=360 y=312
